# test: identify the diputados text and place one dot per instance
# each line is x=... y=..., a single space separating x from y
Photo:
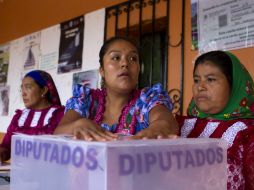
x=141 y=162
x=57 y=153
x=165 y=160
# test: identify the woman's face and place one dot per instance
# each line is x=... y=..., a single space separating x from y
x=32 y=94
x=121 y=66
x=211 y=90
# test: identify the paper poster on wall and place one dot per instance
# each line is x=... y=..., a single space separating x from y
x=4 y=100
x=194 y=25
x=225 y=25
x=87 y=78
x=48 y=61
x=4 y=63
x=71 y=45
x=31 y=51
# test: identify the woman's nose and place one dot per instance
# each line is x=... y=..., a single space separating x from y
x=23 y=93
x=201 y=86
x=124 y=62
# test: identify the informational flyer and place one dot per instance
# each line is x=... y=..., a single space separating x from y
x=227 y=24
x=48 y=61
x=31 y=51
x=49 y=48
x=4 y=63
x=71 y=45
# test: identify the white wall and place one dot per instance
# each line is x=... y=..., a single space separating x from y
x=50 y=38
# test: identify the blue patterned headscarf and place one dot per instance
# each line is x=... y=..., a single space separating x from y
x=43 y=79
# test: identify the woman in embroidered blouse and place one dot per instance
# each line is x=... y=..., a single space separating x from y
x=223 y=107
x=42 y=113
x=119 y=107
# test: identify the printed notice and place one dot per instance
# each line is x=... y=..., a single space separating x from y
x=48 y=61
x=225 y=25
x=71 y=45
x=31 y=51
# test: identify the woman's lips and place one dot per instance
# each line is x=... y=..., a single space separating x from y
x=25 y=100
x=123 y=75
x=201 y=98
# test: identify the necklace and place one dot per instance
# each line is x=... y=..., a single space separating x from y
x=125 y=124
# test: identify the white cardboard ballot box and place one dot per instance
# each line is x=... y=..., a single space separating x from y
x=59 y=163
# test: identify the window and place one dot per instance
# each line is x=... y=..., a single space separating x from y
x=147 y=22
x=148 y=26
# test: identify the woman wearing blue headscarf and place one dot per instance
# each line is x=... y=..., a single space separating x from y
x=42 y=113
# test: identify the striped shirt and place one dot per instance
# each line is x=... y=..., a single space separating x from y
x=33 y=122
x=239 y=136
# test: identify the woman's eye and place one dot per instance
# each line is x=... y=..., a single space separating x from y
x=27 y=87
x=115 y=58
x=196 y=81
x=211 y=79
x=133 y=59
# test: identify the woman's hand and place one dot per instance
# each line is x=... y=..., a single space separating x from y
x=162 y=124
x=89 y=131
x=81 y=128
x=154 y=133
x=4 y=154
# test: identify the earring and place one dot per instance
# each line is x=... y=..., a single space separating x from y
x=42 y=95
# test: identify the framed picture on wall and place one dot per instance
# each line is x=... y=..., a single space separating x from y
x=89 y=78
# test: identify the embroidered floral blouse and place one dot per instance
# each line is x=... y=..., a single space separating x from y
x=87 y=102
